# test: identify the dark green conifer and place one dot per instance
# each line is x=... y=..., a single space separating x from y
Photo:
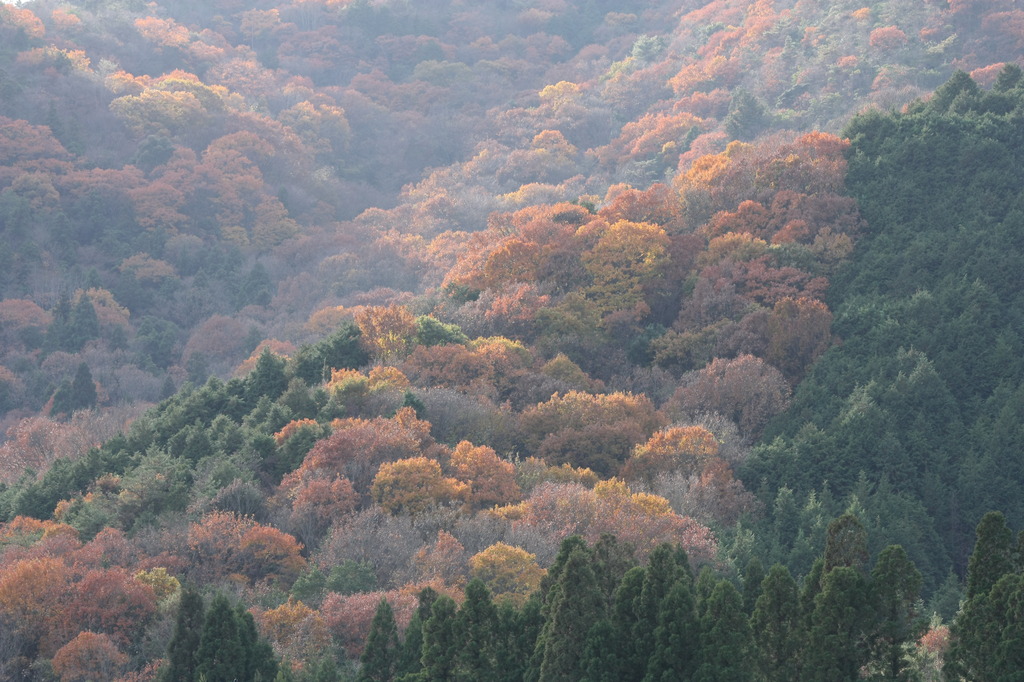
x=220 y=657
x=753 y=576
x=775 y=626
x=79 y=394
x=380 y=656
x=895 y=584
x=677 y=639
x=992 y=556
x=477 y=624
x=575 y=605
x=846 y=544
x=440 y=641
x=836 y=644
x=184 y=644
x=725 y=645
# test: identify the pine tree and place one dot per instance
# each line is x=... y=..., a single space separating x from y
x=184 y=644
x=380 y=657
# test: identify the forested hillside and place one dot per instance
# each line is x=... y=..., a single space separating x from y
x=559 y=340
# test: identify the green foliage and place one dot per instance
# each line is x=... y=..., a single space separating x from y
x=431 y=332
x=380 y=656
x=341 y=350
x=923 y=395
x=184 y=644
x=79 y=394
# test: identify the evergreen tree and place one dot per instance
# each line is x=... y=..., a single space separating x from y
x=517 y=639
x=836 y=647
x=747 y=117
x=411 y=650
x=724 y=638
x=895 y=583
x=184 y=644
x=221 y=655
x=775 y=625
x=979 y=638
x=601 y=660
x=80 y=394
x=611 y=561
x=380 y=657
x=84 y=325
x=410 y=656
x=267 y=378
x=576 y=604
x=846 y=543
x=440 y=641
x=477 y=624
x=992 y=556
x=258 y=660
x=625 y=619
x=663 y=572
x=677 y=639
x=59 y=335
x=753 y=576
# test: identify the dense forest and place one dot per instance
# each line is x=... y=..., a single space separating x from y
x=567 y=340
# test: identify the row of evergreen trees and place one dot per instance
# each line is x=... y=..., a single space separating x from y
x=600 y=617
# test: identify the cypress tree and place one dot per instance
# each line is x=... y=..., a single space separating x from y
x=601 y=660
x=625 y=618
x=663 y=571
x=992 y=556
x=410 y=656
x=846 y=543
x=220 y=657
x=753 y=576
x=184 y=644
x=895 y=583
x=258 y=659
x=977 y=633
x=724 y=638
x=775 y=625
x=576 y=604
x=440 y=641
x=380 y=657
x=836 y=643
x=477 y=624
x=518 y=630
x=677 y=637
